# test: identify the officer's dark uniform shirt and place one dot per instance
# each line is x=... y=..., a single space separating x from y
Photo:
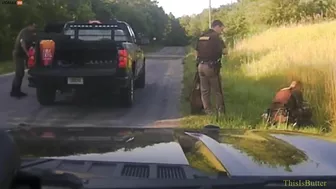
x=26 y=36
x=210 y=46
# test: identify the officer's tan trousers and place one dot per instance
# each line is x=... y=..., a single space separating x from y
x=209 y=80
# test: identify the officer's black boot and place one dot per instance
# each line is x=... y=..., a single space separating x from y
x=18 y=94
x=13 y=94
x=22 y=94
x=16 y=91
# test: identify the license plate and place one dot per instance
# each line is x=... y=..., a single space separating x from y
x=75 y=81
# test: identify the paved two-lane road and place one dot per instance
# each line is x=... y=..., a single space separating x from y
x=157 y=105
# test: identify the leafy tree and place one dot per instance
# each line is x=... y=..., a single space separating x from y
x=249 y=16
x=145 y=16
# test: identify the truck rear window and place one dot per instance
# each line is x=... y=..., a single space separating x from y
x=98 y=34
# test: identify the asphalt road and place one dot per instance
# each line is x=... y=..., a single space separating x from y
x=157 y=105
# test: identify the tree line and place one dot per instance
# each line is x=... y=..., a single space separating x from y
x=246 y=17
x=243 y=18
x=145 y=16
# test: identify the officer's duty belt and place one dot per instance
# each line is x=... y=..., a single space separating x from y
x=209 y=62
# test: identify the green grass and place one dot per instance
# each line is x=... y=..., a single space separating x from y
x=6 y=67
x=259 y=66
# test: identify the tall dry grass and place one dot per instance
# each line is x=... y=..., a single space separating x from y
x=262 y=64
x=306 y=53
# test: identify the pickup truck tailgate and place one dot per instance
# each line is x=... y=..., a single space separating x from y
x=88 y=54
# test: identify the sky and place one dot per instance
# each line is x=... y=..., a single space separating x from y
x=189 y=7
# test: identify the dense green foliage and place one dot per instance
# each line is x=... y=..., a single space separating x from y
x=145 y=16
x=242 y=18
x=250 y=16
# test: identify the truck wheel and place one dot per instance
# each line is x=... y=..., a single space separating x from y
x=127 y=95
x=141 y=81
x=45 y=96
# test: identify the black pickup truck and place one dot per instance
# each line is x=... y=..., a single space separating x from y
x=89 y=57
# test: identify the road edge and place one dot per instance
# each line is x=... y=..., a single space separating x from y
x=10 y=73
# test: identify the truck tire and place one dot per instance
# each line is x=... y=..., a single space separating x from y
x=141 y=81
x=127 y=95
x=45 y=96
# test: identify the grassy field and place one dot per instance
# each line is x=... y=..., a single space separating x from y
x=259 y=66
x=6 y=66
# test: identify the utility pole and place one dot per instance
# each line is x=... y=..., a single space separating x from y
x=209 y=13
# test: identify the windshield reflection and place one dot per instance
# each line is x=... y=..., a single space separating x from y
x=224 y=152
x=266 y=150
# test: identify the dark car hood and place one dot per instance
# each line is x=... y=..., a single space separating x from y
x=237 y=152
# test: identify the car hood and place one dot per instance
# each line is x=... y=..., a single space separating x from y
x=236 y=152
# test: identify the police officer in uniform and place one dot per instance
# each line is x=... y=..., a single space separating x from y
x=210 y=48
x=20 y=56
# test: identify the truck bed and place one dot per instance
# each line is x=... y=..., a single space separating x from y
x=74 y=53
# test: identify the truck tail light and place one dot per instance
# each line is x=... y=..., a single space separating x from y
x=47 y=49
x=31 y=57
x=122 y=58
